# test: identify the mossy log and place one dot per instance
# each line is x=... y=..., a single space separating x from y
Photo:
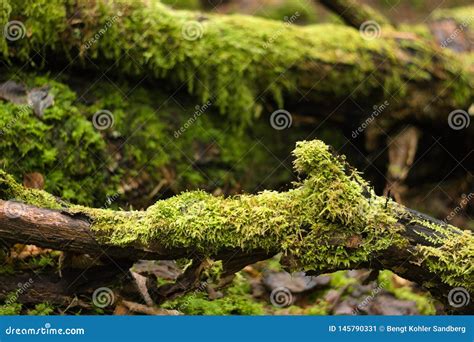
x=331 y=220
x=239 y=62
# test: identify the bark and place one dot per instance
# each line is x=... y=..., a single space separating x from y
x=415 y=246
x=355 y=14
x=313 y=65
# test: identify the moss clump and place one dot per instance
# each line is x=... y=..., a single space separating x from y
x=291 y=11
x=84 y=165
x=237 y=301
x=62 y=145
x=234 y=61
x=449 y=246
x=424 y=302
x=41 y=309
x=10 y=309
x=331 y=220
x=326 y=222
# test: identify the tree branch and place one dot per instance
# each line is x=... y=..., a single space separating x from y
x=332 y=220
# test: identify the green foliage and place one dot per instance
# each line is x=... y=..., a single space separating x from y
x=42 y=309
x=84 y=165
x=61 y=145
x=236 y=301
x=234 y=61
x=424 y=302
x=305 y=11
x=10 y=309
x=183 y=4
x=332 y=219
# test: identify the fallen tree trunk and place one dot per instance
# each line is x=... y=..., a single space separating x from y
x=236 y=61
x=332 y=220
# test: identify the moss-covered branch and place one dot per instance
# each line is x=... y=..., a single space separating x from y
x=354 y=13
x=331 y=220
x=237 y=61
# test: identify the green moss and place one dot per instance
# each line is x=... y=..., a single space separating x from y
x=424 y=302
x=10 y=309
x=463 y=15
x=313 y=223
x=302 y=12
x=62 y=145
x=234 y=61
x=340 y=279
x=147 y=146
x=237 y=301
x=332 y=219
x=41 y=309
x=450 y=246
x=183 y=4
